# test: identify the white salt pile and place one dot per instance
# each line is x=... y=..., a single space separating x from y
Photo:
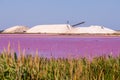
x=91 y=30
x=16 y=29
x=59 y=28
x=67 y=29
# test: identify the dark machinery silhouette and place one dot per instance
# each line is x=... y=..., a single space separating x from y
x=78 y=24
x=1 y=31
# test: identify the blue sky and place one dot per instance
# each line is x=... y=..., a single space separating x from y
x=36 y=12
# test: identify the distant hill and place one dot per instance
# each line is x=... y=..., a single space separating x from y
x=1 y=31
x=16 y=29
x=118 y=30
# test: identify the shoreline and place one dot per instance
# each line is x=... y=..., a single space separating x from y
x=60 y=35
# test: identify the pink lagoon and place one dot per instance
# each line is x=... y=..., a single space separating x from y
x=60 y=46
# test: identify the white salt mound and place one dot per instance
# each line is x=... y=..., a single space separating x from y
x=67 y=29
x=59 y=28
x=91 y=30
x=16 y=29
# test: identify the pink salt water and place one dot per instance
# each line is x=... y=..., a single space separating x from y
x=62 y=45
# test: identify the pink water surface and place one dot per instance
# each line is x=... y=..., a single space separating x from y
x=62 y=46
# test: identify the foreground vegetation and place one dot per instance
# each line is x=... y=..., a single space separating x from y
x=13 y=67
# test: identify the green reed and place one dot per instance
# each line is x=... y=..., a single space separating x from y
x=21 y=67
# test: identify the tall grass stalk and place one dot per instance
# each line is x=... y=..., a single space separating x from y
x=28 y=67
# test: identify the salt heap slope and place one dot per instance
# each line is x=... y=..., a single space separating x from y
x=91 y=30
x=59 y=28
x=16 y=29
